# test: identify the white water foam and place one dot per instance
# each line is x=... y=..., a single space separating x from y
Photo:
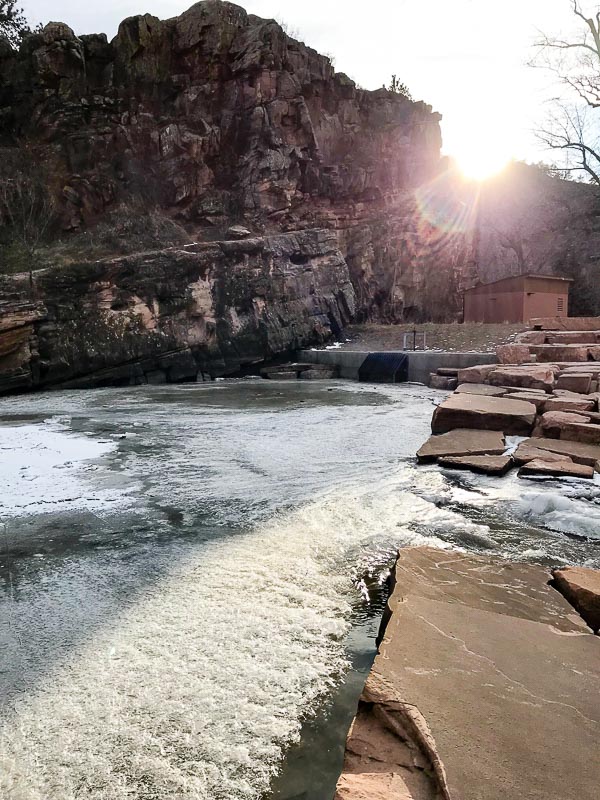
x=193 y=691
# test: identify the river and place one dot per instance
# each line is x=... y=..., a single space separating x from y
x=192 y=577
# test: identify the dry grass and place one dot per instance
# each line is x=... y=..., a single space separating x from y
x=452 y=337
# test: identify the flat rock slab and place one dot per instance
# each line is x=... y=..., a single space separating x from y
x=578 y=452
x=580 y=382
x=530 y=377
x=481 y=388
x=496 y=672
x=560 y=352
x=538 y=400
x=462 y=442
x=527 y=451
x=567 y=403
x=566 y=323
x=485 y=465
x=484 y=413
x=555 y=469
x=581 y=587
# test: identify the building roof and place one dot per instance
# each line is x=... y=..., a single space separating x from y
x=518 y=277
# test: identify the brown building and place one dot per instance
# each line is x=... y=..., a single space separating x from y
x=517 y=299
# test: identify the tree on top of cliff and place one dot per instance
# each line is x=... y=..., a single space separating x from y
x=573 y=128
x=13 y=25
x=397 y=87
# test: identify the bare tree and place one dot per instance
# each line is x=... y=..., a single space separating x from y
x=573 y=128
x=27 y=208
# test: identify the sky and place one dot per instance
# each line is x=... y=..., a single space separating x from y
x=466 y=58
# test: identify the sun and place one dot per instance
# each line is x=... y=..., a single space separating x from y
x=480 y=159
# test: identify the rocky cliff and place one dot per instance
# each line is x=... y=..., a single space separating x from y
x=179 y=129
x=213 y=118
x=172 y=315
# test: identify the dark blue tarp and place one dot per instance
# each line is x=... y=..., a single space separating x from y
x=384 y=368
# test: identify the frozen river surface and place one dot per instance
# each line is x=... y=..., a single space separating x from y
x=184 y=568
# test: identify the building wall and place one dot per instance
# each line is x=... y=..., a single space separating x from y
x=517 y=300
x=545 y=298
x=494 y=307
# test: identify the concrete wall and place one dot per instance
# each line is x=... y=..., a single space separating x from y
x=420 y=363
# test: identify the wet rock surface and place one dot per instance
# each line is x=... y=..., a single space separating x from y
x=480 y=658
x=485 y=413
x=462 y=442
x=581 y=587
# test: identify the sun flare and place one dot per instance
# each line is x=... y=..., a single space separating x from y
x=481 y=160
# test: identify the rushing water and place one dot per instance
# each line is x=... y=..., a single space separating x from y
x=189 y=571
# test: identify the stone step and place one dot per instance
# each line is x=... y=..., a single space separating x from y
x=462 y=442
x=485 y=413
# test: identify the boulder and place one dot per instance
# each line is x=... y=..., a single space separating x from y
x=442 y=382
x=581 y=587
x=462 y=442
x=527 y=451
x=557 y=469
x=475 y=374
x=553 y=423
x=484 y=413
x=513 y=354
x=533 y=377
x=579 y=383
x=481 y=388
x=448 y=372
x=568 y=404
x=486 y=464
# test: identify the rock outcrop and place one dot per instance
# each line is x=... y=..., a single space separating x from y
x=172 y=315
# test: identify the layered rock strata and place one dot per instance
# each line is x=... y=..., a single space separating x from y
x=172 y=315
x=479 y=660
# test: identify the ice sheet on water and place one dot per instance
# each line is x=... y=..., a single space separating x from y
x=43 y=468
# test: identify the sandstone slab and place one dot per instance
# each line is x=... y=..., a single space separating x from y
x=552 y=424
x=556 y=469
x=442 y=382
x=579 y=383
x=481 y=388
x=538 y=400
x=581 y=587
x=475 y=374
x=534 y=377
x=485 y=465
x=566 y=323
x=578 y=452
x=462 y=442
x=513 y=354
x=472 y=662
x=527 y=451
x=560 y=352
x=484 y=413
x=571 y=337
x=566 y=403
